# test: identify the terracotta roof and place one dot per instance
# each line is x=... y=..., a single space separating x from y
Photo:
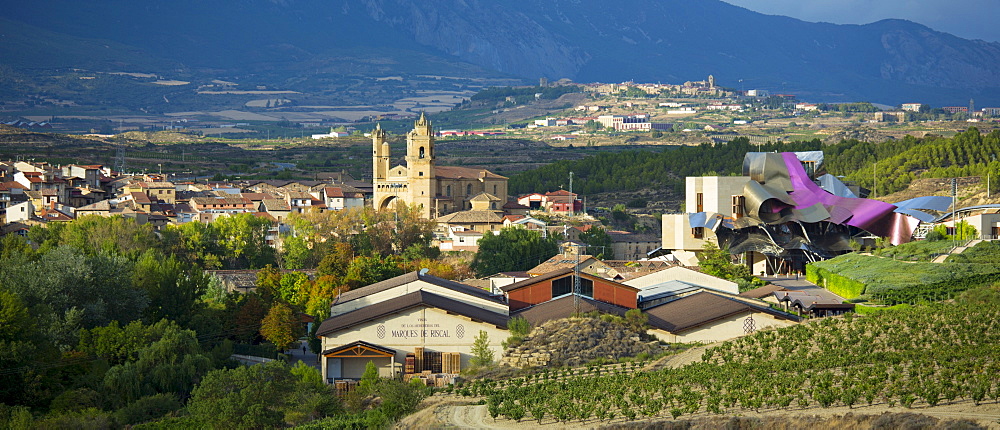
x=54 y=215
x=10 y=185
x=256 y=197
x=564 y=307
x=559 y=262
x=514 y=205
x=333 y=192
x=456 y=172
x=140 y=198
x=470 y=217
x=222 y=200
x=266 y=216
x=762 y=292
x=406 y=278
x=562 y=193
x=407 y=301
x=276 y=205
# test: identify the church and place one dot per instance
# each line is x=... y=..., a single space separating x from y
x=438 y=190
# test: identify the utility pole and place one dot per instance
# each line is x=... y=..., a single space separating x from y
x=572 y=198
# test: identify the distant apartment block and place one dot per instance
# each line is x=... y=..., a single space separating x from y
x=991 y=112
x=956 y=109
x=912 y=107
x=897 y=116
x=637 y=122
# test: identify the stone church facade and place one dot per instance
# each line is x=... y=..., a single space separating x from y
x=438 y=190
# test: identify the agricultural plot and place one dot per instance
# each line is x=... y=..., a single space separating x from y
x=915 y=357
x=889 y=281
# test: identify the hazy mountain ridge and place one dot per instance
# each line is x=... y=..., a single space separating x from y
x=586 y=40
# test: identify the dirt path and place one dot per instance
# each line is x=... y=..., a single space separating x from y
x=476 y=416
x=675 y=361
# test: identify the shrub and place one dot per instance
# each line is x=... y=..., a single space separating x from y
x=148 y=408
x=935 y=236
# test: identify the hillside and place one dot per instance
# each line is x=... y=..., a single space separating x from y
x=658 y=176
x=934 y=358
x=303 y=43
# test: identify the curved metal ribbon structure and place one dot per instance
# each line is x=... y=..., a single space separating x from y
x=780 y=191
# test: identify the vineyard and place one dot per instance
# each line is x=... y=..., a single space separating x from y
x=914 y=357
x=890 y=281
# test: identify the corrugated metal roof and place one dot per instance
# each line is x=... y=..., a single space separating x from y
x=407 y=278
x=406 y=301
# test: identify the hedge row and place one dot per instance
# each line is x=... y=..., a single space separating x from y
x=840 y=285
x=883 y=274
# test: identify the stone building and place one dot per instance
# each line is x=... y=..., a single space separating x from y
x=438 y=190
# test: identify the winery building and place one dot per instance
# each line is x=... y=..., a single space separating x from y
x=408 y=324
x=424 y=325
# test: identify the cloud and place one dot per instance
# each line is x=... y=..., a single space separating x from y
x=971 y=19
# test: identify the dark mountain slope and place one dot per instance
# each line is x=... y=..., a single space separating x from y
x=585 y=40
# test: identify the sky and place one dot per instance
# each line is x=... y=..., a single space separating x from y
x=970 y=19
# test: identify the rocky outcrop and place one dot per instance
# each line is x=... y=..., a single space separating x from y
x=577 y=341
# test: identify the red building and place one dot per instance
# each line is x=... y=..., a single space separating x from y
x=559 y=283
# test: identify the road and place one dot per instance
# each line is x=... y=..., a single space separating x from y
x=801 y=284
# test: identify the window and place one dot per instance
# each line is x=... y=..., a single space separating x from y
x=421 y=153
x=468 y=190
x=421 y=173
x=562 y=286
x=586 y=287
x=698 y=232
x=448 y=191
x=494 y=190
x=699 y=202
x=738 y=203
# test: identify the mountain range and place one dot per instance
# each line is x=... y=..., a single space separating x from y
x=669 y=41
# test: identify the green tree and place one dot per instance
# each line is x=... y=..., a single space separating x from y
x=368 y=270
x=718 y=262
x=482 y=354
x=292 y=287
x=279 y=326
x=369 y=379
x=243 y=238
x=513 y=249
x=172 y=364
x=171 y=286
x=244 y=397
x=599 y=243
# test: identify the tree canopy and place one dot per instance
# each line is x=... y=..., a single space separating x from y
x=513 y=249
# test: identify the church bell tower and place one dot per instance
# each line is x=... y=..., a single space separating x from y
x=380 y=155
x=420 y=165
